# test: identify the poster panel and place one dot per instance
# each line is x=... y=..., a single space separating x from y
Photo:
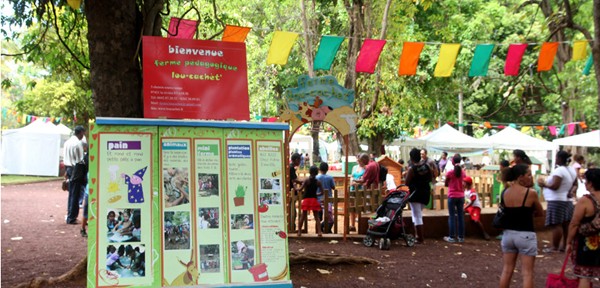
x=121 y=165
x=195 y=79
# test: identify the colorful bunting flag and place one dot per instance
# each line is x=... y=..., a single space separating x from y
x=369 y=55
x=235 y=33
x=75 y=4
x=525 y=129
x=552 y=130
x=328 y=48
x=481 y=60
x=446 y=60
x=422 y=121
x=487 y=125
x=539 y=128
x=562 y=130
x=280 y=47
x=513 y=59
x=570 y=129
x=583 y=125
x=588 y=66
x=547 y=54
x=409 y=60
x=579 y=50
x=182 y=28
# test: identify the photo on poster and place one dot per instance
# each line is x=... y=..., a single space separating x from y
x=270 y=198
x=208 y=185
x=242 y=221
x=210 y=259
x=242 y=254
x=126 y=260
x=208 y=218
x=177 y=230
x=123 y=225
x=176 y=187
x=270 y=184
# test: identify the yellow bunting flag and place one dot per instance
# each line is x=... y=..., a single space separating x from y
x=281 y=46
x=422 y=121
x=525 y=129
x=579 y=50
x=75 y=4
x=446 y=60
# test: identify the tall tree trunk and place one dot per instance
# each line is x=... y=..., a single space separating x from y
x=113 y=36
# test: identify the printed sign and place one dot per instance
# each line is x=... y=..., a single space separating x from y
x=195 y=79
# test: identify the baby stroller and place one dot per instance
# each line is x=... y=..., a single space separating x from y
x=387 y=224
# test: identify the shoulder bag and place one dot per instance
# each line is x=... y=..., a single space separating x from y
x=498 y=221
x=593 y=227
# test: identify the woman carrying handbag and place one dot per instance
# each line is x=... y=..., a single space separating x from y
x=584 y=232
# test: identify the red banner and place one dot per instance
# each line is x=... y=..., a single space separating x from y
x=195 y=79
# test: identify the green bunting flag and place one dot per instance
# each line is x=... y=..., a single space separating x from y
x=588 y=66
x=481 y=60
x=328 y=48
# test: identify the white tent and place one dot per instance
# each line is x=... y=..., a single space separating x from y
x=511 y=138
x=31 y=150
x=589 y=139
x=448 y=138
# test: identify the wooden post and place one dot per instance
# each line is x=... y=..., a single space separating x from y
x=346 y=219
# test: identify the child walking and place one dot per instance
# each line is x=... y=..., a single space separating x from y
x=456 y=202
x=473 y=206
x=310 y=202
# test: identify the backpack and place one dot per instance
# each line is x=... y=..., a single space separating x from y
x=382 y=173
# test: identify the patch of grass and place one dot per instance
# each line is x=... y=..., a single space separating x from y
x=20 y=179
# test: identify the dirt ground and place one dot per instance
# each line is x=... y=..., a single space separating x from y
x=37 y=242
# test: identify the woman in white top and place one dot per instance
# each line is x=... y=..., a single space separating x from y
x=560 y=209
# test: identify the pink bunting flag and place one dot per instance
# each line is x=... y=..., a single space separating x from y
x=571 y=128
x=369 y=55
x=552 y=130
x=182 y=28
x=513 y=59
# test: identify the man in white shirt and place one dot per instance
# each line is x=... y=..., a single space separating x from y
x=73 y=154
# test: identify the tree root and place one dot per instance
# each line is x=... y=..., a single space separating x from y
x=77 y=272
x=299 y=258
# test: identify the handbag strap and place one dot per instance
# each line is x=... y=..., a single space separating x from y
x=502 y=197
x=596 y=204
x=562 y=271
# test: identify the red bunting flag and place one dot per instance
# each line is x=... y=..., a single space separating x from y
x=513 y=59
x=235 y=33
x=182 y=28
x=409 y=60
x=547 y=54
x=369 y=55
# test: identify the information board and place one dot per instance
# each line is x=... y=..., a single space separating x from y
x=183 y=203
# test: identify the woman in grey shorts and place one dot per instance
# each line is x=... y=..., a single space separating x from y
x=521 y=204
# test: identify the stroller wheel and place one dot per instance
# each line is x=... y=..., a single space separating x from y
x=368 y=241
x=410 y=240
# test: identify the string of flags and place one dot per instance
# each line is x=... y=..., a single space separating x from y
x=566 y=129
x=26 y=118
x=283 y=42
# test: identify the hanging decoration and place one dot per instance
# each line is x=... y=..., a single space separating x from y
x=409 y=60
x=328 y=48
x=234 y=33
x=513 y=59
x=588 y=66
x=481 y=60
x=182 y=28
x=547 y=54
x=369 y=55
x=579 y=50
x=446 y=60
x=281 y=46
x=570 y=129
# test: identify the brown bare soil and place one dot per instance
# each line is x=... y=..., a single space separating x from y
x=50 y=248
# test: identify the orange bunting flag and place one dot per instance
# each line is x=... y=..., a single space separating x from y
x=547 y=54
x=487 y=125
x=446 y=60
x=281 y=46
x=409 y=60
x=540 y=128
x=579 y=50
x=235 y=33
x=583 y=125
